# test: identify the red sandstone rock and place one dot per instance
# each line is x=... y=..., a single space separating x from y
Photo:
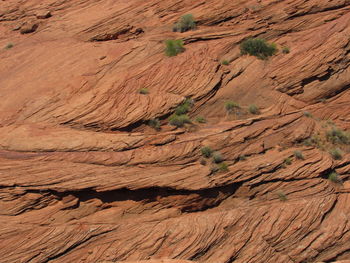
x=83 y=179
x=28 y=28
x=43 y=14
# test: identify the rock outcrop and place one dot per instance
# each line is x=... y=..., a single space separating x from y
x=83 y=178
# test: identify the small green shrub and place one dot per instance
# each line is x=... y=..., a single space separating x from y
x=242 y=158
x=184 y=107
x=288 y=161
x=143 y=91
x=223 y=167
x=307 y=114
x=179 y=120
x=174 y=47
x=230 y=106
x=9 y=46
x=225 y=62
x=285 y=50
x=314 y=140
x=336 y=154
x=154 y=123
x=206 y=151
x=336 y=135
x=258 y=47
x=307 y=142
x=217 y=157
x=298 y=155
x=253 y=109
x=282 y=196
x=334 y=177
x=329 y=122
x=201 y=119
x=185 y=23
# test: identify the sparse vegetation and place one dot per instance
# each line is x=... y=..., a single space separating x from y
x=217 y=157
x=298 y=155
x=242 y=158
x=206 y=151
x=154 y=123
x=337 y=136
x=330 y=122
x=288 y=161
x=185 y=23
x=174 y=47
x=253 y=109
x=285 y=50
x=334 y=177
x=230 y=106
x=314 y=140
x=201 y=119
x=184 y=107
x=179 y=120
x=223 y=167
x=336 y=154
x=143 y=91
x=225 y=62
x=282 y=196
x=258 y=47
x=307 y=114
x=9 y=46
x=307 y=142
x=331 y=139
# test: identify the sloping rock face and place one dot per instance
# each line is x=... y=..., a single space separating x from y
x=83 y=178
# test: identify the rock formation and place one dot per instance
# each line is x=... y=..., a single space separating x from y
x=83 y=178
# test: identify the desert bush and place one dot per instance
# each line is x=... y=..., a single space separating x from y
x=258 y=47
x=223 y=167
x=242 y=158
x=336 y=154
x=217 y=157
x=334 y=177
x=143 y=91
x=206 y=151
x=174 y=47
x=314 y=140
x=179 y=120
x=285 y=50
x=201 y=119
x=288 y=161
x=298 y=155
x=9 y=46
x=154 y=123
x=225 y=62
x=184 y=107
x=307 y=114
x=253 y=109
x=185 y=23
x=230 y=106
x=336 y=135
x=282 y=196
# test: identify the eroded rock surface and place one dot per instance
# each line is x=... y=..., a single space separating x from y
x=83 y=178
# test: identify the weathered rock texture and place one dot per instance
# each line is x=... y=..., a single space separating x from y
x=84 y=179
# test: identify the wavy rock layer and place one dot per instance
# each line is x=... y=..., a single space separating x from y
x=84 y=179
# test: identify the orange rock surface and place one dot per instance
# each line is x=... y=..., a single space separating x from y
x=83 y=178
